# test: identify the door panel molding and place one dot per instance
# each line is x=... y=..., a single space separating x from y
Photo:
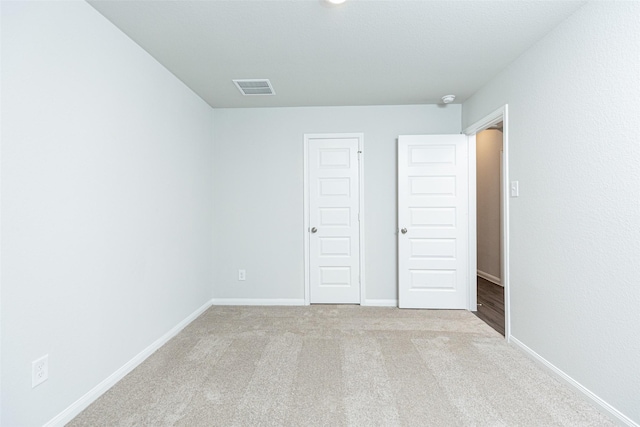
x=433 y=207
x=330 y=215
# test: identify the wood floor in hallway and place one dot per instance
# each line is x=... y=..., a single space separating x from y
x=491 y=304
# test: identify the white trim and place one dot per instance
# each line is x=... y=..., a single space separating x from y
x=363 y=288
x=505 y=221
x=472 y=250
x=381 y=303
x=1 y=257
x=305 y=221
x=501 y=114
x=360 y=137
x=585 y=392
x=258 y=301
x=502 y=202
x=490 y=277
x=81 y=404
x=487 y=121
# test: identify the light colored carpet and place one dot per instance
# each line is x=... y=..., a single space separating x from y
x=338 y=366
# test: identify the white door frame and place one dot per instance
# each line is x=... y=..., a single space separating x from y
x=307 y=137
x=501 y=114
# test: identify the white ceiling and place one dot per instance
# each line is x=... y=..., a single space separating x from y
x=364 y=52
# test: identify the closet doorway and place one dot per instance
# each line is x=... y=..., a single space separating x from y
x=489 y=212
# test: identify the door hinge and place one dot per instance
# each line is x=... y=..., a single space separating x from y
x=359 y=153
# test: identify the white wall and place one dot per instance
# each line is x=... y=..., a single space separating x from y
x=258 y=171
x=106 y=203
x=574 y=104
x=488 y=148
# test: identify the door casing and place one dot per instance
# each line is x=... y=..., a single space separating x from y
x=501 y=114
x=306 y=225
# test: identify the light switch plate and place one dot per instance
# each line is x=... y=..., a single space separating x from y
x=515 y=189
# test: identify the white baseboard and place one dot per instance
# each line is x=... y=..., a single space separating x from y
x=586 y=393
x=381 y=302
x=490 y=277
x=81 y=404
x=254 y=301
x=293 y=301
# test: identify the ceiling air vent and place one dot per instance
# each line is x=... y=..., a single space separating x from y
x=255 y=87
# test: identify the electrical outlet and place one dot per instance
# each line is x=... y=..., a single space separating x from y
x=39 y=370
x=242 y=274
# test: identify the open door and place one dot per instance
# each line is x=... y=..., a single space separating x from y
x=433 y=218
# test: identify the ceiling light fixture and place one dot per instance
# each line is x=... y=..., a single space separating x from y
x=335 y=1
x=448 y=99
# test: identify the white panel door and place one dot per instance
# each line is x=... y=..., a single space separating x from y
x=334 y=201
x=433 y=206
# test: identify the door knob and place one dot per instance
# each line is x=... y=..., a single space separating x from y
x=403 y=231
x=313 y=229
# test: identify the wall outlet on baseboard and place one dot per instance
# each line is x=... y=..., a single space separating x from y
x=39 y=370
x=242 y=274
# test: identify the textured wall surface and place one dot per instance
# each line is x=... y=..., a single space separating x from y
x=106 y=203
x=574 y=103
x=259 y=192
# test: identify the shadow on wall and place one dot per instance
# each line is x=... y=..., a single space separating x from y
x=488 y=169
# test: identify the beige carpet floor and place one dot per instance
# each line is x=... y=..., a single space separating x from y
x=338 y=366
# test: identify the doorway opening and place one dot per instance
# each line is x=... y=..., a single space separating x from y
x=490 y=293
x=489 y=288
